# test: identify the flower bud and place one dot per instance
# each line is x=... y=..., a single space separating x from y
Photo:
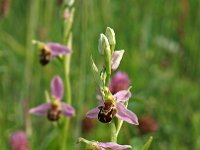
x=110 y=34
x=68 y=20
x=103 y=44
x=69 y=2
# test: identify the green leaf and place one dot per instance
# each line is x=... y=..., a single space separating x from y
x=147 y=144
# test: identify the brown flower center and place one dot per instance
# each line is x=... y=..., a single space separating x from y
x=54 y=112
x=107 y=112
x=45 y=56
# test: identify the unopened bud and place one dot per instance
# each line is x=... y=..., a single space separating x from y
x=110 y=34
x=103 y=44
x=69 y=2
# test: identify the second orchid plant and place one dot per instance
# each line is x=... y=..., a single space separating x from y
x=112 y=105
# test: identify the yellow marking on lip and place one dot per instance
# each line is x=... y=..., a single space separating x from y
x=109 y=98
x=55 y=103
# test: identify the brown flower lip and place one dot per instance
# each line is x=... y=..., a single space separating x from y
x=107 y=112
x=45 y=57
x=54 y=113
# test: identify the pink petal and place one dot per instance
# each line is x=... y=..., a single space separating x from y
x=41 y=109
x=124 y=114
x=67 y=110
x=58 y=49
x=100 y=100
x=93 y=113
x=57 y=87
x=123 y=95
x=116 y=59
x=114 y=146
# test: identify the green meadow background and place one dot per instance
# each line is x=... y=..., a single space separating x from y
x=161 y=40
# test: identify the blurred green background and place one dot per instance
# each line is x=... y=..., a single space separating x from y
x=161 y=39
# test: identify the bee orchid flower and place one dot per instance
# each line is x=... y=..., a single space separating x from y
x=50 y=50
x=95 y=145
x=56 y=107
x=114 y=106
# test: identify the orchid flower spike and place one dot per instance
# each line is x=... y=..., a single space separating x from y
x=50 y=50
x=112 y=106
x=94 y=145
x=56 y=107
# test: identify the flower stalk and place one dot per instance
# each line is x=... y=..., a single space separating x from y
x=67 y=38
x=112 y=106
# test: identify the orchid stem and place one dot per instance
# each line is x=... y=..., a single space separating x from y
x=108 y=79
x=113 y=133
x=66 y=63
x=116 y=127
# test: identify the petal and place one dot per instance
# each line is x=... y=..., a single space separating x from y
x=41 y=109
x=58 y=49
x=116 y=59
x=123 y=95
x=67 y=110
x=114 y=146
x=124 y=114
x=100 y=100
x=57 y=87
x=93 y=113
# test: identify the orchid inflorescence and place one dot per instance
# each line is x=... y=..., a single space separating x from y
x=110 y=105
x=113 y=95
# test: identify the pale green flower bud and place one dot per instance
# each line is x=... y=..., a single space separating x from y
x=68 y=20
x=69 y=2
x=110 y=34
x=103 y=44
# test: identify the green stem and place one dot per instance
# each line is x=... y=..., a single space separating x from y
x=108 y=79
x=113 y=133
x=116 y=127
x=32 y=22
x=67 y=59
x=67 y=38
